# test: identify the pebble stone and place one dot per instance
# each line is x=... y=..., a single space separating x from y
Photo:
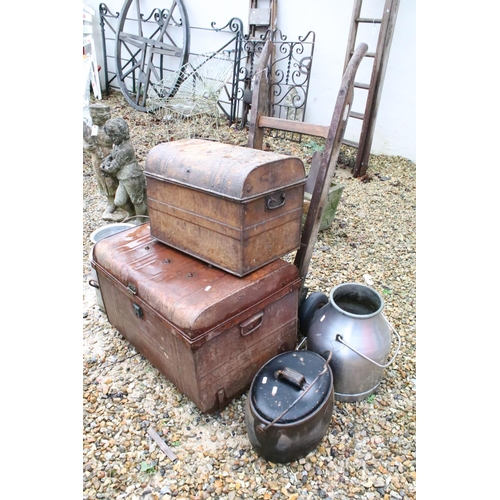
x=369 y=449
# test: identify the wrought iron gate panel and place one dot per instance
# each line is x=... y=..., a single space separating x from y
x=232 y=47
x=108 y=20
x=234 y=26
x=290 y=69
x=289 y=76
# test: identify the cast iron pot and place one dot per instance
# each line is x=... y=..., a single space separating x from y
x=290 y=405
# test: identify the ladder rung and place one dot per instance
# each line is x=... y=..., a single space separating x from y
x=368 y=20
x=360 y=85
x=368 y=54
x=355 y=114
x=354 y=144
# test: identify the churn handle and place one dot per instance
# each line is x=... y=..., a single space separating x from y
x=341 y=340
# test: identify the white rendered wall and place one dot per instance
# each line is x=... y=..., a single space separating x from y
x=395 y=130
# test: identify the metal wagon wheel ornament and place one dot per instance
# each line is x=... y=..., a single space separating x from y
x=150 y=50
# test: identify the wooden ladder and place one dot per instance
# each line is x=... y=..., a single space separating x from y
x=261 y=18
x=380 y=58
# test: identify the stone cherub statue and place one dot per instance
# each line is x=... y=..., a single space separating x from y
x=122 y=164
x=99 y=144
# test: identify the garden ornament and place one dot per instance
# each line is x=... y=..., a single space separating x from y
x=122 y=164
x=99 y=144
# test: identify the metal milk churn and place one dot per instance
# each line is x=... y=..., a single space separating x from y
x=352 y=326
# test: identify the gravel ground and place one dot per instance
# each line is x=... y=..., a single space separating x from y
x=369 y=449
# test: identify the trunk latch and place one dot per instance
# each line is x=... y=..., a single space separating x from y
x=138 y=311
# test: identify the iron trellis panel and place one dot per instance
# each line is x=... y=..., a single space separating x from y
x=289 y=72
x=108 y=20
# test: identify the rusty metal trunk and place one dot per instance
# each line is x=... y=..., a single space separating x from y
x=205 y=330
x=233 y=207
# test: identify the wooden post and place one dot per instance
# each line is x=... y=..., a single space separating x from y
x=260 y=93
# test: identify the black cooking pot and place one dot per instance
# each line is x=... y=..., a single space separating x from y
x=290 y=405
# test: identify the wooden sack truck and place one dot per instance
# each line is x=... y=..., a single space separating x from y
x=323 y=163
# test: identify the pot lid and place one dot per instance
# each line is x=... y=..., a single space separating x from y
x=284 y=378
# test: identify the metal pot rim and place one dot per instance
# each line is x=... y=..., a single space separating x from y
x=122 y=225
x=365 y=288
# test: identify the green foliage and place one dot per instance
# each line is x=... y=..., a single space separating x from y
x=148 y=468
x=347 y=156
x=370 y=399
x=314 y=147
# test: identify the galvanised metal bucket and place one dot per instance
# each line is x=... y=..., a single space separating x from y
x=353 y=327
x=98 y=235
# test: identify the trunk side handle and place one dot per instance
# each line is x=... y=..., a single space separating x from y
x=94 y=283
x=251 y=324
x=272 y=203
